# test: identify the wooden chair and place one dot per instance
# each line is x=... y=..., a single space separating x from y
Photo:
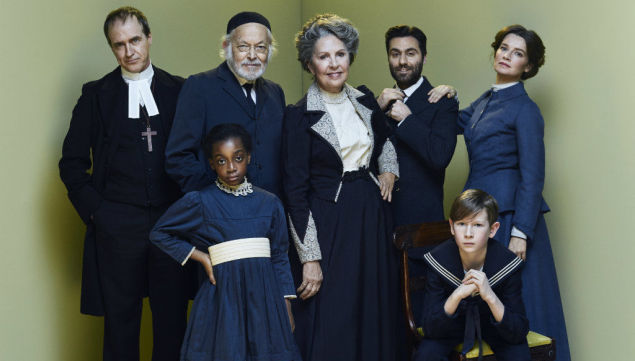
x=428 y=235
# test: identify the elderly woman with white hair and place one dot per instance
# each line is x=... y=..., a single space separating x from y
x=338 y=172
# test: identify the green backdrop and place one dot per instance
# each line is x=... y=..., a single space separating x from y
x=51 y=48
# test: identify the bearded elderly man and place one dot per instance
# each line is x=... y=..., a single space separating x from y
x=234 y=92
x=119 y=128
x=424 y=132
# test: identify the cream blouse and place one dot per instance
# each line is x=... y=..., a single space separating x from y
x=352 y=134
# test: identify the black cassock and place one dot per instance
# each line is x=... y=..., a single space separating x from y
x=119 y=201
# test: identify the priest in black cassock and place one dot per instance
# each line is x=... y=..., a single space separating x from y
x=120 y=126
x=233 y=92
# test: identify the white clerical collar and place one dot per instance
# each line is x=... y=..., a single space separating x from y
x=139 y=92
x=497 y=87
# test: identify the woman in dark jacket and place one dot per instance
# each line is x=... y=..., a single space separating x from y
x=339 y=169
x=503 y=131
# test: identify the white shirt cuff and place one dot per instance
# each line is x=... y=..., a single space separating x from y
x=518 y=233
x=188 y=256
x=290 y=297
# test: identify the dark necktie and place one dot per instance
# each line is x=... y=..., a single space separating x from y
x=250 y=100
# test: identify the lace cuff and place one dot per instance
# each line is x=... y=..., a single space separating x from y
x=388 y=159
x=309 y=248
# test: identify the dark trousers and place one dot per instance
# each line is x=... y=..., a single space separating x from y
x=439 y=349
x=130 y=267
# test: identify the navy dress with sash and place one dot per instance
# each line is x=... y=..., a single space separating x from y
x=244 y=316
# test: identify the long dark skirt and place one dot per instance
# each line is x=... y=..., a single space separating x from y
x=242 y=318
x=354 y=316
x=541 y=293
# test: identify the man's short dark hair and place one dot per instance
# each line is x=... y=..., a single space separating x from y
x=122 y=14
x=401 y=31
x=471 y=202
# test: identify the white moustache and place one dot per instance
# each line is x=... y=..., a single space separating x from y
x=248 y=63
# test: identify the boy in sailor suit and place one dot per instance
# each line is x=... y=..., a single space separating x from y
x=473 y=290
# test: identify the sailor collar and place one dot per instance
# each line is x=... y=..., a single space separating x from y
x=499 y=262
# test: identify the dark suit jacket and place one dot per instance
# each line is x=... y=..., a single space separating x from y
x=216 y=97
x=507 y=153
x=425 y=143
x=94 y=129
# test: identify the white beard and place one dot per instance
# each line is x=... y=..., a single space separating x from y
x=249 y=75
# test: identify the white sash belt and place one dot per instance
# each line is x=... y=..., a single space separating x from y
x=239 y=249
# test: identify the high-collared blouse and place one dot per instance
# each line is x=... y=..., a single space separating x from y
x=352 y=134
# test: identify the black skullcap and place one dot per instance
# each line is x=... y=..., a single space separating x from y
x=246 y=17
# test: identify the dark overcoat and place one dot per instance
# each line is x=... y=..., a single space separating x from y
x=216 y=97
x=91 y=141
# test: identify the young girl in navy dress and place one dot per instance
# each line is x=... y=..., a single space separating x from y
x=238 y=233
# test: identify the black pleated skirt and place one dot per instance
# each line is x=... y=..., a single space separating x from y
x=355 y=315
